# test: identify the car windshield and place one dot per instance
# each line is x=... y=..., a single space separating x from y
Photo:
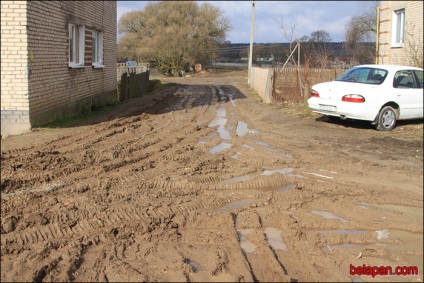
x=365 y=75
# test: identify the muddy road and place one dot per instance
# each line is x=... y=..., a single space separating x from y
x=202 y=182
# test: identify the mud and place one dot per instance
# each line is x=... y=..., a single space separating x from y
x=202 y=182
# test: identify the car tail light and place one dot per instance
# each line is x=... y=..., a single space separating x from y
x=353 y=98
x=314 y=93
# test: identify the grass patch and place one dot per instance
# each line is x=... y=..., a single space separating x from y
x=299 y=110
x=72 y=121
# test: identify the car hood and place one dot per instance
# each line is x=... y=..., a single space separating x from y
x=337 y=89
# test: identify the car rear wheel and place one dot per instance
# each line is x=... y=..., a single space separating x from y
x=386 y=119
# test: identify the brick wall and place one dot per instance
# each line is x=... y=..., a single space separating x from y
x=14 y=68
x=37 y=86
x=57 y=91
x=413 y=32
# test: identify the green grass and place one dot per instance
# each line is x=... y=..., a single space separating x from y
x=72 y=121
x=155 y=85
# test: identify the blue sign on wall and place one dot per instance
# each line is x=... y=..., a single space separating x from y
x=131 y=64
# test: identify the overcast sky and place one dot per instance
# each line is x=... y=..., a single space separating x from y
x=309 y=16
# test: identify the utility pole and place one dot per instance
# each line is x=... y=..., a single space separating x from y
x=251 y=41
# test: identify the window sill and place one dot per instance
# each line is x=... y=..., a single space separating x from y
x=98 y=66
x=75 y=66
x=397 y=45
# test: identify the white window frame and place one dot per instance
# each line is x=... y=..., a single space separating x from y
x=398 y=28
x=76 y=36
x=97 y=49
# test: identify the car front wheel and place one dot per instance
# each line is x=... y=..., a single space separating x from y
x=386 y=119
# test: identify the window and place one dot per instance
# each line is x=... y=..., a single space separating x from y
x=404 y=79
x=363 y=75
x=97 y=49
x=419 y=75
x=398 y=28
x=76 y=46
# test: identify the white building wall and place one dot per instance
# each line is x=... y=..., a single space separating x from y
x=14 y=68
x=413 y=42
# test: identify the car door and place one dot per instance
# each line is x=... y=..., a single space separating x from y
x=408 y=93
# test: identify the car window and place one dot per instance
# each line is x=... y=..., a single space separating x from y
x=419 y=75
x=404 y=79
x=363 y=75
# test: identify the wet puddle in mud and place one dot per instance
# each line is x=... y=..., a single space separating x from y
x=339 y=231
x=331 y=247
x=238 y=179
x=194 y=265
x=235 y=156
x=274 y=239
x=222 y=146
x=241 y=129
x=244 y=178
x=409 y=211
x=220 y=120
x=328 y=215
x=236 y=204
x=286 y=188
x=282 y=171
x=246 y=245
x=411 y=244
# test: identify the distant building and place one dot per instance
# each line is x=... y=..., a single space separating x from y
x=400 y=37
x=58 y=59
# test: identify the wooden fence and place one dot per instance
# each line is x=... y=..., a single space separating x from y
x=122 y=68
x=293 y=84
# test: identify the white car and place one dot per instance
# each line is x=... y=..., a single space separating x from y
x=381 y=94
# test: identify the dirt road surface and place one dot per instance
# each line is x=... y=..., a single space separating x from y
x=201 y=182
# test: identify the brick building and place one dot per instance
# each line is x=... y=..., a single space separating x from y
x=400 y=37
x=58 y=59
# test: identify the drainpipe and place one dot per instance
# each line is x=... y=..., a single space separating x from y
x=377 y=37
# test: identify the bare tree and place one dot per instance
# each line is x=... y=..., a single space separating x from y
x=322 y=51
x=288 y=31
x=172 y=34
x=360 y=29
x=413 y=46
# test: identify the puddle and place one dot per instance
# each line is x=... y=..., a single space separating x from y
x=340 y=231
x=383 y=234
x=410 y=242
x=254 y=132
x=223 y=133
x=282 y=171
x=232 y=100
x=286 y=188
x=236 y=204
x=238 y=179
x=261 y=143
x=274 y=239
x=244 y=178
x=361 y=204
x=410 y=211
x=194 y=265
x=341 y=246
x=202 y=142
x=246 y=245
x=220 y=147
x=319 y=175
x=220 y=120
x=248 y=146
x=328 y=215
x=235 y=156
x=241 y=129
